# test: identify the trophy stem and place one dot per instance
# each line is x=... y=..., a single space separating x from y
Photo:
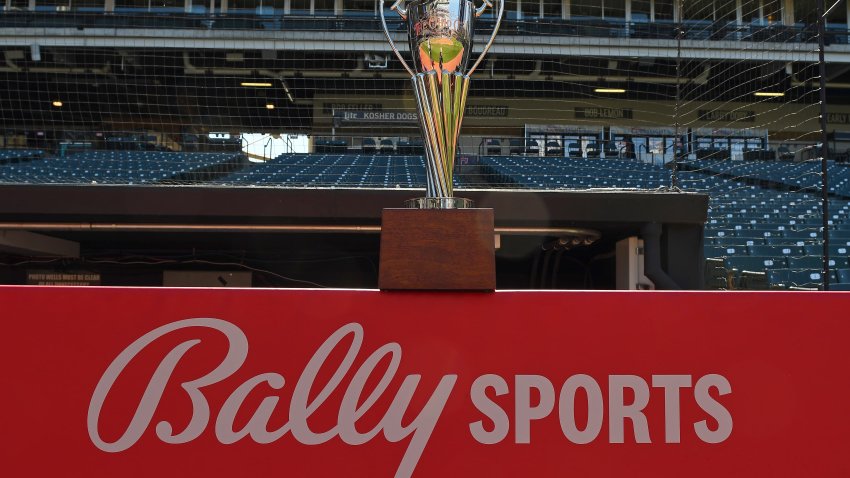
x=439 y=203
x=440 y=102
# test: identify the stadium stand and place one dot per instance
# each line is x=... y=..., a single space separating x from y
x=17 y=155
x=630 y=95
x=781 y=174
x=558 y=173
x=333 y=170
x=121 y=167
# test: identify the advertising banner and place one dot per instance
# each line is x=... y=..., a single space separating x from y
x=105 y=382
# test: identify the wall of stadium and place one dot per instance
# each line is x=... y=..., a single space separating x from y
x=361 y=115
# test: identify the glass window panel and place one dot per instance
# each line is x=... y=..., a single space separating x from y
x=724 y=10
x=805 y=10
x=837 y=17
x=299 y=6
x=88 y=4
x=144 y=4
x=52 y=4
x=243 y=4
x=640 y=10
x=530 y=8
x=763 y=12
x=586 y=8
x=615 y=8
x=359 y=5
x=552 y=8
x=324 y=6
x=773 y=11
x=699 y=10
x=750 y=11
x=664 y=9
x=511 y=9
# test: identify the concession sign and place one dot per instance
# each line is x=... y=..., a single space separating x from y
x=105 y=382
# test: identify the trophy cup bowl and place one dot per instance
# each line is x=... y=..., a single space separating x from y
x=440 y=34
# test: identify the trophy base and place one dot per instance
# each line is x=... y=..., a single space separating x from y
x=439 y=203
x=432 y=249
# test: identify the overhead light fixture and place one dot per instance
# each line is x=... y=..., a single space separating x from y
x=57 y=104
x=256 y=84
x=269 y=106
x=609 y=90
x=769 y=93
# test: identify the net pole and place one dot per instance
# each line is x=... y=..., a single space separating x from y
x=824 y=150
x=678 y=136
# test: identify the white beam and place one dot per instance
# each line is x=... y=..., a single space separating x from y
x=371 y=42
x=739 y=13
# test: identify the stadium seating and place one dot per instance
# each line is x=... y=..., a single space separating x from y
x=759 y=234
x=783 y=226
x=805 y=176
x=119 y=167
x=333 y=170
x=14 y=155
x=754 y=227
x=574 y=173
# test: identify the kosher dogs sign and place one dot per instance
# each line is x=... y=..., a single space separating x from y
x=136 y=382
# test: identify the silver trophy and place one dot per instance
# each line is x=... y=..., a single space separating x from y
x=440 y=35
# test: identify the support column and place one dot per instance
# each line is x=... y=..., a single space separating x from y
x=761 y=12
x=31 y=5
x=628 y=12
x=739 y=13
x=287 y=6
x=338 y=7
x=565 y=9
x=652 y=11
x=788 y=12
x=187 y=5
x=223 y=6
x=109 y=6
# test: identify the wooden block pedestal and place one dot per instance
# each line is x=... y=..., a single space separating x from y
x=437 y=249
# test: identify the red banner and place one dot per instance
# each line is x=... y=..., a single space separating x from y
x=104 y=382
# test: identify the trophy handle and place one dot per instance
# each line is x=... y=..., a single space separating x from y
x=403 y=14
x=492 y=37
x=480 y=10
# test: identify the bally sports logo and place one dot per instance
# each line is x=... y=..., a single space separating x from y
x=535 y=399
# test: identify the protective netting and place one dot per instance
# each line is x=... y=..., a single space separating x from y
x=719 y=96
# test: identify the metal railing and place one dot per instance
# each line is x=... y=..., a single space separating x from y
x=665 y=30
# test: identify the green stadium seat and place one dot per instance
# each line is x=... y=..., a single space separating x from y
x=775 y=250
x=747 y=272
x=810 y=262
x=722 y=251
x=789 y=278
x=839 y=286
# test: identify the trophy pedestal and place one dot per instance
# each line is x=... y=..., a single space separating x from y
x=439 y=203
x=437 y=249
